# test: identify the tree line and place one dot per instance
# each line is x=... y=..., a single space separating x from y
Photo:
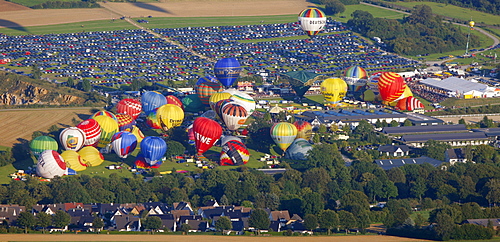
x=66 y=4
x=487 y=6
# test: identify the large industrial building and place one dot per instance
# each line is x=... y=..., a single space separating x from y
x=457 y=87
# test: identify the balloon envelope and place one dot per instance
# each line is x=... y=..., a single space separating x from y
x=153 y=148
x=73 y=160
x=72 y=138
x=304 y=129
x=104 y=113
x=227 y=70
x=42 y=143
x=207 y=78
x=410 y=104
x=217 y=97
x=140 y=162
x=138 y=134
x=91 y=156
x=244 y=100
x=391 y=86
x=152 y=100
x=125 y=122
x=92 y=131
x=171 y=99
x=192 y=103
x=109 y=127
x=312 y=21
x=207 y=89
x=356 y=72
x=152 y=119
x=227 y=138
x=234 y=153
x=333 y=90
x=283 y=134
x=206 y=133
x=234 y=115
x=50 y=164
x=129 y=106
x=298 y=150
x=123 y=143
x=169 y=116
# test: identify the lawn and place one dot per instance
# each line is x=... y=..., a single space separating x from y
x=31 y=3
x=375 y=11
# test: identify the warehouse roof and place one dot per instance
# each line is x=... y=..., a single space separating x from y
x=425 y=129
x=388 y=164
x=455 y=84
x=444 y=137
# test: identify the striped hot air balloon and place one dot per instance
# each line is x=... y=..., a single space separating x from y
x=109 y=127
x=234 y=115
x=391 y=86
x=129 y=106
x=207 y=89
x=123 y=143
x=104 y=113
x=410 y=104
x=42 y=143
x=356 y=72
x=312 y=21
x=92 y=131
x=283 y=134
x=304 y=129
x=244 y=100
x=298 y=150
x=217 y=97
x=234 y=153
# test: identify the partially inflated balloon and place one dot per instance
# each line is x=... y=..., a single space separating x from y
x=152 y=119
x=138 y=134
x=152 y=100
x=129 y=106
x=234 y=153
x=298 y=150
x=91 y=156
x=333 y=90
x=72 y=138
x=73 y=160
x=92 y=131
x=391 y=85
x=125 y=122
x=42 y=143
x=206 y=133
x=304 y=129
x=234 y=115
x=50 y=164
x=283 y=134
x=153 y=149
x=109 y=127
x=227 y=138
x=171 y=99
x=170 y=116
x=217 y=97
x=104 y=113
x=410 y=104
x=312 y=21
x=123 y=143
x=207 y=89
x=192 y=103
x=227 y=70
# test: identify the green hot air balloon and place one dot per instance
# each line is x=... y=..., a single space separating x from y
x=192 y=103
x=41 y=143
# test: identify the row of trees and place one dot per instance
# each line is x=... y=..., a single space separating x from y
x=487 y=6
x=66 y=4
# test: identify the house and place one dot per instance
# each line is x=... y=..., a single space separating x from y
x=179 y=213
x=394 y=150
x=183 y=206
x=195 y=222
x=168 y=222
x=126 y=222
x=455 y=155
x=137 y=209
x=211 y=203
x=453 y=139
x=9 y=213
x=81 y=217
x=388 y=164
x=156 y=208
x=495 y=222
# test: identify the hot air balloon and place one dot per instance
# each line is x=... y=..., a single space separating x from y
x=471 y=24
x=391 y=85
x=109 y=127
x=283 y=134
x=234 y=115
x=140 y=162
x=170 y=116
x=42 y=143
x=312 y=21
x=125 y=122
x=217 y=97
x=104 y=113
x=227 y=70
x=373 y=80
x=153 y=149
x=91 y=156
x=356 y=72
x=207 y=89
x=72 y=138
x=92 y=131
x=304 y=129
x=406 y=93
x=123 y=143
x=234 y=153
x=206 y=133
x=211 y=114
x=73 y=160
x=138 y=134
x=218 y=106
x=152 y=119
x=190 y=134
x=244 y=100
x=152 y=100
x=50 y=164
x=192 y=103
x=227 y=138
x=333 y=90
x=207 y=78
x=410 y=104
x=129 y=106
x=171 y=99
x=298 y=150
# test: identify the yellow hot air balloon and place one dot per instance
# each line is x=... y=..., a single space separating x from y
x=91 y=156
x=109 y=127
x=73 y=160
x=333 y=90
x=217 y=97
x=406 y=93
x=169 y=116
x=283 y=134
x=138 y=134
x=472 y=23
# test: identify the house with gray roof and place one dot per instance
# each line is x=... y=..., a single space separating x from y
x=455 y=155
x=388 y=164
x=350 y=117
x=395 y=131
x=495 y=222
x=394 y=150
x=453 y=139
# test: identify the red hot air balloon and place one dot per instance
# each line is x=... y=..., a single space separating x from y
x=391 y=86
x=171 y=99
x=125 y=122
x=206 y=133
x=92 y=131
x=129 y=106
x=410 y=104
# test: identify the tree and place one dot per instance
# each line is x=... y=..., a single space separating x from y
x=61 y=219
x=333 y=7
x=97 y=224
x=70 y=82
x=346 y=220
x=185 y=228
x=394 y=123
x=43 y=220
x=407 y=122
x=328 y=219
x=484 y=154
x=444 y=226
x=223 y=223
x=153 y=223
x=310 y=222
x=435 y=149
x=174 y=148
x=259 y=219
x=86 y=87
x=36 y=73
x=26 y=220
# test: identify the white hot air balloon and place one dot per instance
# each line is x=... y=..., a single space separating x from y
x=50 y=164
x=72 y=138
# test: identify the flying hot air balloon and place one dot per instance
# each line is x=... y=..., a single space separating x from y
x=234 y=115
x=50 y=164
x=283 y=134
x=104 y=113
x=92 y=131
x=410 y=104
x=312 y=21
x=207 y=78
x=234 y=153
x=91 y=156
x=42 y=143
x=227 y=70
x=153 y=149
x=123 y=143
x=72 y=138
x=152 y=119
x=207 y=89
x=304 y=129
x=125 y=122
x=129 y=106
x=170 y=116
x=217 y=97
x=471 y=24
x=206 y=133
x=73 y=160
x=333 y=90
x=109 y=127
x=152 y=100
x=391 y=85
x=298 y=150
x=246 y=101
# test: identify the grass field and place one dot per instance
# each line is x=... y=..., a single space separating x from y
x=31 y=3
x=376 y=12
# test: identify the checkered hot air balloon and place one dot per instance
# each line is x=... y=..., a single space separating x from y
x=129 y=106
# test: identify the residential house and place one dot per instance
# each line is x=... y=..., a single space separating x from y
x=455 y=155
x=10 y=213
x=126 y=222
x=156 y=208
x=168 y=222
x=495 y=222
x=278 y=219
x=137 y=209
x=81 y=217
x=183 y=206
x=195 y=222
x=394 y=150
x=388 y=164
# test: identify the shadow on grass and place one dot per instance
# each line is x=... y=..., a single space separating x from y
x=22 y=155
x=12 y=25
x=151 y=7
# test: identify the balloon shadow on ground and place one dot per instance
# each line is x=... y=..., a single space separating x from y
x=316 y=2
x=22 y=154
x=83 y=116
x=151 y=7
x=12 y=25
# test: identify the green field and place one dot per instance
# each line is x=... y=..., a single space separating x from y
x=376 y=12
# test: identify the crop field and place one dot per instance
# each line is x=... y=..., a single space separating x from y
x=31 y=3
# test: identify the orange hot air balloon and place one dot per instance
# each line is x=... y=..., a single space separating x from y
x=410 y=104
x=391 y=86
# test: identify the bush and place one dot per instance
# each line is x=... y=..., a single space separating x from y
x=471 y=232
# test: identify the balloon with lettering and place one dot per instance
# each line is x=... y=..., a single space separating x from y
x=227 y=70
x=234 y=153
x=207 y=78
x=391 y=86
x=152 y=100
x=333 y=90
x=298 y=150
x=206 y=133
x=304 y=129
x=50 y=164
x=72 y=138
x=244 y=100
x=125 y=122
x=171 y=99
x=73 y=160
x=283 y=134
x=207 y=89
x=42 y=143
x=109 y=127
x=152 y=119
x=92 y=131
x=104 y=113
x=312 y=21
x=234 y=115
x=169 y=116
x=129 y=106
x=123 y=143
x=91 y=156
x=153 y=148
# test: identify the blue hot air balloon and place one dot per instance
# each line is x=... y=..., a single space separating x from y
x=152 y=100
x=123 y=143
x=153 y=148
x=227 y=70
x=207 y=78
